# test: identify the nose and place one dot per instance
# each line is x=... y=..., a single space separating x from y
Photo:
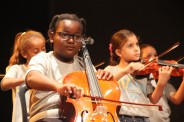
x=71 y=39
x=136 y=47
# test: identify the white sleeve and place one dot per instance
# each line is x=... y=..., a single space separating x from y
x=169 y=90
x=38 y=63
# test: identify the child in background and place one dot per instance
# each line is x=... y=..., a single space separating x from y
x=26 y=45
x=149 y=52
x=125 y=52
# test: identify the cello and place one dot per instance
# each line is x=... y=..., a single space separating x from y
x=90 y=109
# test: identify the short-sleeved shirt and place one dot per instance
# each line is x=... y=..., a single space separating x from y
x=133 y=90
x=17 y=71
x=45 y=104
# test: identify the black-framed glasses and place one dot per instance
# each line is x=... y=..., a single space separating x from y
x=66 y=36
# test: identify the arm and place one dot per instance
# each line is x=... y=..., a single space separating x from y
x=178 y=97
x=130 y=69
x=13 y=78
x=120 y=74
x=37 y=80
x=8 y=83
x=164 y=76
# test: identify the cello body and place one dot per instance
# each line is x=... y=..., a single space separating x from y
x=86 y=109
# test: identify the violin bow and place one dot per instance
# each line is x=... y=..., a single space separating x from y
x=168 y=50
x=100 y=64
x=162 y=54
x=179 y=59
x=1 y=75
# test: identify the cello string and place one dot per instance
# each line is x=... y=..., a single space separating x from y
x=95 y=81
x=92 y=79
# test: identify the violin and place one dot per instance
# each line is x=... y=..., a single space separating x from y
x=152 y=65
x=156 y=64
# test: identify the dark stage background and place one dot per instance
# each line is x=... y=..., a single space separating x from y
x=158 y=22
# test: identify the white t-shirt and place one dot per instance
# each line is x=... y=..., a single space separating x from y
x=163 y=116
x=133 y=90
x=17 y=71
x=45 y=104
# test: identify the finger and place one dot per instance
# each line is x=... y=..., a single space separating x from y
x=171 y=69
x=69 y=89
x=105 y=75
x=159 y=70
x=110 y=76
x=79 y=93
x=100 y=74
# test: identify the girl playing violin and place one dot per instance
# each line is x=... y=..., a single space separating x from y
x=148 y=51
x=47 y=70
x=125 y=52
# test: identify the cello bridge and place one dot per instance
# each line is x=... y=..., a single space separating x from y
x=100 y=112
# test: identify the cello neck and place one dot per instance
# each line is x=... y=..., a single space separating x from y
x=90 y=72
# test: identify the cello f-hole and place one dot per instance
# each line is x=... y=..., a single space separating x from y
x=82 y=115
x=111 y=116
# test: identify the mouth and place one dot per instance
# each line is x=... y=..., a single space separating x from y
x=137 y=55
x=70 y=48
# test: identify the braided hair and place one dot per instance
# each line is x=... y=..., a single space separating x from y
x=57 y=18
x=60 y=17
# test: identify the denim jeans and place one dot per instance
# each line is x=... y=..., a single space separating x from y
x=51 y=120
x=127 y=118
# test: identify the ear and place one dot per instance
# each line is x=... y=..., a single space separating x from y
x=51 y=36
x=24 y=54
x=118 y=52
